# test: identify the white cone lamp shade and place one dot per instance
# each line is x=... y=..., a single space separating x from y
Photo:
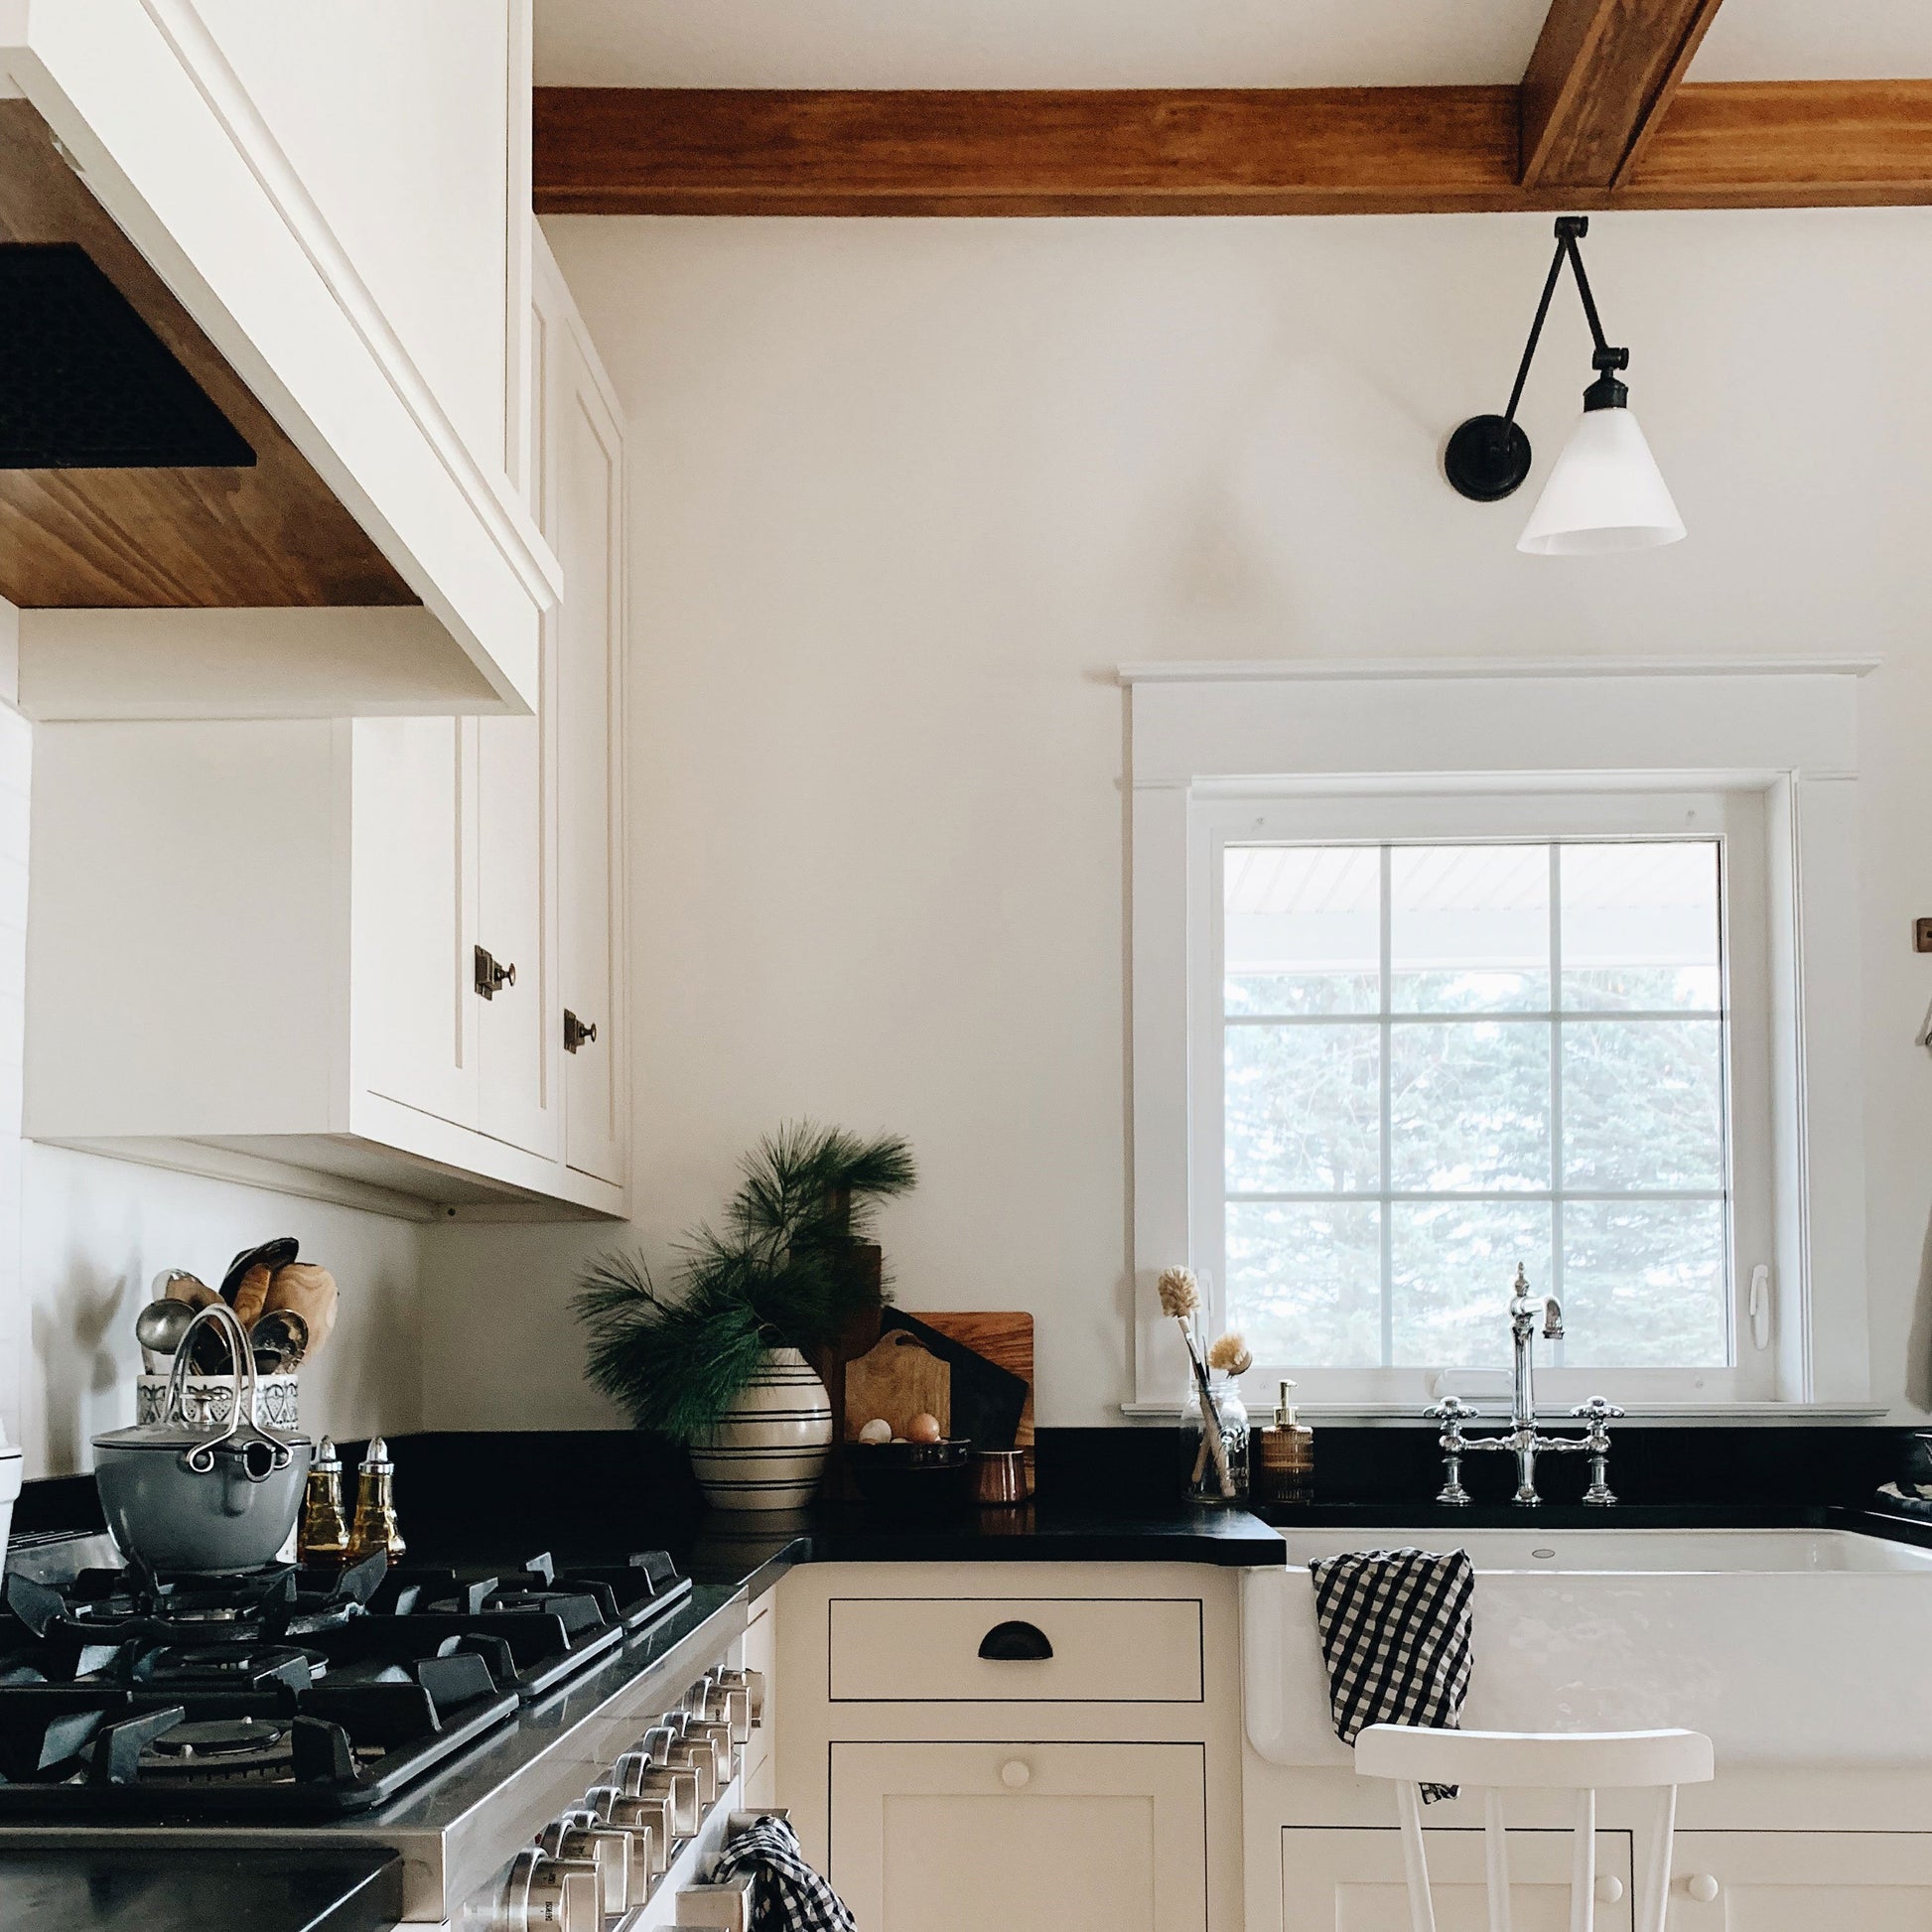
x=1606 y=493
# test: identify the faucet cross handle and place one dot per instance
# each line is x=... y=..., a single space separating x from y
x=1596 y=1410
x=1452 y=1412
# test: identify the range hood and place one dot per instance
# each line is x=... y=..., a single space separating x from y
x=86 y=385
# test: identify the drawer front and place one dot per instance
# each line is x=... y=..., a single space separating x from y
x=1101 y=1650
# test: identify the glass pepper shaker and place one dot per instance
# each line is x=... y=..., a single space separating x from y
x=375 y=1531
x=324 y=1536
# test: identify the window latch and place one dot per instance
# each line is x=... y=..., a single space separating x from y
x=1760 y=1306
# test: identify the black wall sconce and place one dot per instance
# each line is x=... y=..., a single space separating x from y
x=1605 y=492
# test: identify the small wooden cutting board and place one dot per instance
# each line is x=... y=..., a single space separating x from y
x=898 y=1378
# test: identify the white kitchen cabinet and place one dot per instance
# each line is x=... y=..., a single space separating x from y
x=337 y=955
x=946 y=1792
x=340 y=196
x=1801 y=1881
x=1350 y=1880
x=251 y=953
x=1028 y=1837
x=578 y=457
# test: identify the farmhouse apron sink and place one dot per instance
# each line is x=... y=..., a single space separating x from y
x=1785 y=1646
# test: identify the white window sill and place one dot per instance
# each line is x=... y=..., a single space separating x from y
x=1389 y=1415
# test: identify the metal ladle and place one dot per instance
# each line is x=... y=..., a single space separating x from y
x=278 y=1340
x=160 y=1326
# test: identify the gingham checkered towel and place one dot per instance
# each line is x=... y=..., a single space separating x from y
x=790 y=1897
x=1395 y=1631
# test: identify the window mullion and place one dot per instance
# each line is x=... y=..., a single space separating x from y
x=1555 y=1082
x=1386 y=1213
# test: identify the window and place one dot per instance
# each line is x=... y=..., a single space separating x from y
x=1437 y=969
x=1443 y=1060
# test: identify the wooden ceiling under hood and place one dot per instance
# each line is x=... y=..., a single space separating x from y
x=271 y=534
x=1601 y=119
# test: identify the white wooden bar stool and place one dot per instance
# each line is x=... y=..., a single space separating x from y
x=1494 y=1761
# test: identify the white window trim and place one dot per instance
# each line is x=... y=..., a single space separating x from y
x=1785 y=728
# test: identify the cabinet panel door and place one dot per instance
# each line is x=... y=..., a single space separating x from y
x=1020 y=1837
x=519 y=1042
x=1349 y=1880
x=1800 y=1882
x=590 y=545
x=413 y=888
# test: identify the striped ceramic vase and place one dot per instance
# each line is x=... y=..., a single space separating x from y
x=768 y=1451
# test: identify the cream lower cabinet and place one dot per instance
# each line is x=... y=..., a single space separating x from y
x=1801 y=1881
x=1017 y=1836
x=1014 y=1746
x=1350 y=1880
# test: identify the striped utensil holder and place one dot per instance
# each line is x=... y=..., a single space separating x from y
x=768 y=1451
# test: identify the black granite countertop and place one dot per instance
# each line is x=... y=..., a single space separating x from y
x=756 y=1554
x=89 y=1889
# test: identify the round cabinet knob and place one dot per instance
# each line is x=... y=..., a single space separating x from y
x=1701 y=1886
x=1015 y=1774
x=1609 y=1888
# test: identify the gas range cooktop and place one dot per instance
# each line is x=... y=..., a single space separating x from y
x=285 y=1693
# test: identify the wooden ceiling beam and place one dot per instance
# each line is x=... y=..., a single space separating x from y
x=782 y=151
x=1306 y=151
x=1598 y=84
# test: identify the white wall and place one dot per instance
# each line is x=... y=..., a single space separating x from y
x=82 y=1238
x=906 y=492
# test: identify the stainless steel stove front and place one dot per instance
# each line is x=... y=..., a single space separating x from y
x=461 y=1830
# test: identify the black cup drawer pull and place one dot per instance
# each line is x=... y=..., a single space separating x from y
x=1016 y=1643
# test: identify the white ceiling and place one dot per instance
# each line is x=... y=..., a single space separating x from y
x=1165 y=43
x=1817 y=40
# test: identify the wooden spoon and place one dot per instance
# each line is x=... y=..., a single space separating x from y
x=310 y=1291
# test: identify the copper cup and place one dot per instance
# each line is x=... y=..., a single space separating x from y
x=999 y=1477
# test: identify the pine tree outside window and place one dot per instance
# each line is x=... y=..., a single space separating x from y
x=1443 y=1059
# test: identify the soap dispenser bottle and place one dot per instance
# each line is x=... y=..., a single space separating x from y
x=1284 y=1456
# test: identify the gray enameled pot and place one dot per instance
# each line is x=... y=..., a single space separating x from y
x=175 y=1518
x=205 y=1497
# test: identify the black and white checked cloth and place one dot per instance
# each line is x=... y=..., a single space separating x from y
x=1395 y=1632
x=790 y=1897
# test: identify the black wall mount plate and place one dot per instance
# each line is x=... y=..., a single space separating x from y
x=86 y=385
x=1487 y=458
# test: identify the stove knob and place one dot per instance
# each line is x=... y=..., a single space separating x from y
x=647 y=1819
x=697 y=1755
x=719 y=1735
x=638 y=1777
x=623 y=1857
x=657 y=1743
x=751 y=1683
x=578 y=1838
x=546 y=1894
x=724 y=1702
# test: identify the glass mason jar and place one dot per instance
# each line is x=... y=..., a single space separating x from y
x=1203 y=1471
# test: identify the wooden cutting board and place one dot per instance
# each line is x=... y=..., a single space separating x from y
x=898 y=1378
x=1002 y=1337
x=1005 y=1337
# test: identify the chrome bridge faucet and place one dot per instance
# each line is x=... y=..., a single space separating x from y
x=1524 y=1439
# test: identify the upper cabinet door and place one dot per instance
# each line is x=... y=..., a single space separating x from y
x=588 y=505
x=519 y=1047
x=413 y=873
